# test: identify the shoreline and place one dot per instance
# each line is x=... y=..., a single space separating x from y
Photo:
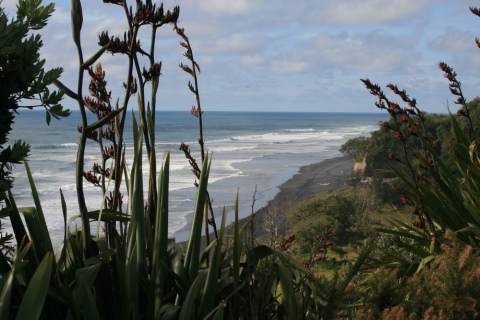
x=310 y=180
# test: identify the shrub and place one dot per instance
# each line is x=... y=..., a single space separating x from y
x=314 y=217
x=448 y=288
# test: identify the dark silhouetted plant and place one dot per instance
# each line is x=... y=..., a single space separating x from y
x=23 y=81
x=197 y=112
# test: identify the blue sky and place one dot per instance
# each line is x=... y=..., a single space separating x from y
x=305 y=55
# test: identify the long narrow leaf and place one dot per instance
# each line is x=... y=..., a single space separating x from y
x=8 y=283
x=87 y=299
x=108 y=215
x=160 y=246
x=17 y=224
x=192 y=295
x=193 y=249
x=358 y=264
x=43 y=233
x=84 y=279
x=237 y=249
x=29 y=215
x=288 y=291
x=34 y=298
x=136 y=232
x=211 y=284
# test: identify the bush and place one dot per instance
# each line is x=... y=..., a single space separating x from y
x=448 y=288
x=316 y=216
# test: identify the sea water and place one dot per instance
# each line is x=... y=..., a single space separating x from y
x=253 y=153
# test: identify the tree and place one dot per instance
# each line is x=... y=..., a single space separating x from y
x=23 y=80
x=355 y=148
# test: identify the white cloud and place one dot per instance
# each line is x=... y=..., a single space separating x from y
x=454 y=40
x=232 y=44
x=262 y=53
x=352 y=12
x=288 y=67
x=228 y=7
x=376 y=53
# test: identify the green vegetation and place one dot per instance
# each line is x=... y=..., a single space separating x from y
x=23 y=82
x=383 y=144
x=415 y=258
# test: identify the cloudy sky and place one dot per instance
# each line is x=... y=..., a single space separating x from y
x=304 y=55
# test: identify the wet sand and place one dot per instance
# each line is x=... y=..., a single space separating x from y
x=311 y=180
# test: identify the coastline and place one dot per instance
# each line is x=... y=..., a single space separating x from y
x=310 y=180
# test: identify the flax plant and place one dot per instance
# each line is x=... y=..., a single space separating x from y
x=440 y=199
x=198 y=113
x=111 y=121
x=137 y=271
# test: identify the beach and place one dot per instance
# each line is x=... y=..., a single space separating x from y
x=252 y=153
x=311 y=180
x=316 y=178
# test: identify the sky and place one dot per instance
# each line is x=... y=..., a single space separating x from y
x=282 y=56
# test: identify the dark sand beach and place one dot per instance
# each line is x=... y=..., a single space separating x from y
x=311 y=180
x=316 y=178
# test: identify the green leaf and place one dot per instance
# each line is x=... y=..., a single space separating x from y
x=288 y=291
x=187 y=307
x=7 y=282
x=84 y=279
x=211 y=284
x=44 y=235
x=136 y=249
x=33 y=14
x=193 y=249
x=16 y=221
x=108 y=215
x=160 y=246
x=48 y=118
x=237 y=250
x=34 y=298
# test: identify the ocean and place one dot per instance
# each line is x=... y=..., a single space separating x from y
x=252 y=152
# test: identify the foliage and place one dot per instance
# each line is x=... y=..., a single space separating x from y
x=437 y=251
x=383 y=144
x=345 y=214
x=23 y=79
x=314 y=217
x=448 y=288
x=136 y=271
x=356 y=148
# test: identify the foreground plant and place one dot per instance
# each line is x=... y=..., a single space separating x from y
x=135 y=271
x=23 y=81
x=197 y=112
x=436 y=253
